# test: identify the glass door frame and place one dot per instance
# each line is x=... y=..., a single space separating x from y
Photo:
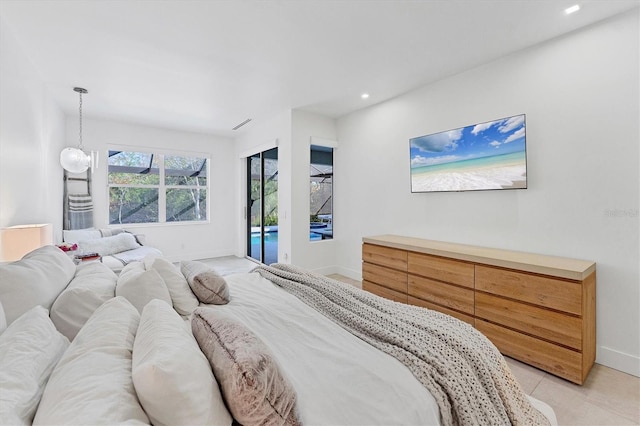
x=260 y=156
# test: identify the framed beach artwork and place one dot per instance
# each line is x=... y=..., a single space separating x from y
x=484 y=156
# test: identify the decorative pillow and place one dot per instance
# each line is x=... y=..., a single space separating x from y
x=3 y=319
x=207 y=285
x=132 y=267
x=171 y=376
x=110 y=245
x=140 y=287
x=93 y=284
x=36 y=279
x=77 y=235
x=92 y=382
x=252 y=384
x=110 y=232
x=182 y=297
x=29 y=350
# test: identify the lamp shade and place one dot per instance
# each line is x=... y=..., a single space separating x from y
x=16 y=241
x=74 y=160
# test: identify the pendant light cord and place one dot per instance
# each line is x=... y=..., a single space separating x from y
x=80 y=92
x=80 y=145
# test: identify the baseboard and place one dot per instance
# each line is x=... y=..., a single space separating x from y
x=350 y=273
x=200 y=255
x=328 y=270
x=619 y=360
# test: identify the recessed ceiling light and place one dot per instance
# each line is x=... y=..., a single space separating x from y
x=572 y=9
x=365 y=96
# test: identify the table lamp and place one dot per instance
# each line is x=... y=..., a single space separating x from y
x=16 y=241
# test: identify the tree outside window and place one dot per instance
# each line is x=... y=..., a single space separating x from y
x=156 y=188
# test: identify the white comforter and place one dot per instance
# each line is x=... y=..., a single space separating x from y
x=339 y=379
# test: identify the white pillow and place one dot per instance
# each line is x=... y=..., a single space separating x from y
x=132 y=268
x=109 y=245
x=36 y=279
x=172 y=377
x=76 y=235
x=140 y=287
x=149 y=259
x=3 y=319
x=93 y=284
x=184 y=301
x=29 y=350
x=92 y=382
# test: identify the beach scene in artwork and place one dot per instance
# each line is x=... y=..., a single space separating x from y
x=483 y=156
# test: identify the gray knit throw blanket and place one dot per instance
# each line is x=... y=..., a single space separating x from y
x=462 y=369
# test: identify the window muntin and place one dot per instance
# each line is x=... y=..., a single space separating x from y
x=133 y=168
x=191 y=171
x=156 y=188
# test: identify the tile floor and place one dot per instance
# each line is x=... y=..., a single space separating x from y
x=608 y=397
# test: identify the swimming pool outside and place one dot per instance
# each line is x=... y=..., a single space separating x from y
x=271 y=243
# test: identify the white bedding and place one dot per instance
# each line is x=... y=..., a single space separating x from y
x=118 y=261
x=339 y=379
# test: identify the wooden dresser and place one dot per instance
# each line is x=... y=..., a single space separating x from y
x=534 y=308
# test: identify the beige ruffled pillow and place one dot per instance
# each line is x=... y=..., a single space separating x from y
x=253 y=386
x=206 y=284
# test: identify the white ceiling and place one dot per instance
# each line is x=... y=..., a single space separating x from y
x=206 y=66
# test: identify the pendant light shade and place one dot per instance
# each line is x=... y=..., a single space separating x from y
x=75 y=160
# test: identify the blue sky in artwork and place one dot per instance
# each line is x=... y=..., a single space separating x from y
x=498 y=137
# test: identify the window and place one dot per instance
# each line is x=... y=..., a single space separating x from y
x=321 y=193
x=156 y=188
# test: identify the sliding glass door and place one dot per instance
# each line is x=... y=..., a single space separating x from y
x=262 y=206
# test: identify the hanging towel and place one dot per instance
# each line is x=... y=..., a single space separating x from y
x=80 y=211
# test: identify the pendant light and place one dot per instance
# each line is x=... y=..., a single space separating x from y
x=75 y=160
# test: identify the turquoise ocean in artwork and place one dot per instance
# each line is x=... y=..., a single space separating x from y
x=503 y=160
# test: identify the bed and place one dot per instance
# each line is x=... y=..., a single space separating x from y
x=277 y=346
x=341 y=379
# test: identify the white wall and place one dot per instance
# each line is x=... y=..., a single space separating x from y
x=31 y=138
x=260 y=136
x=580 y=95
x=293 y=130
x=318 y=256
x=177 y=241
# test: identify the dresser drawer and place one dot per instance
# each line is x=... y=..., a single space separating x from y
x=385 y=256
x=549 y=325
x=424 y=304
x=384 y=292
x=555 y=359
x=385 y=277
x=437 y=268
x=562 y=295
x=449 y=296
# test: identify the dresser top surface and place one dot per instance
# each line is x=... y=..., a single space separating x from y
x=573 y=269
